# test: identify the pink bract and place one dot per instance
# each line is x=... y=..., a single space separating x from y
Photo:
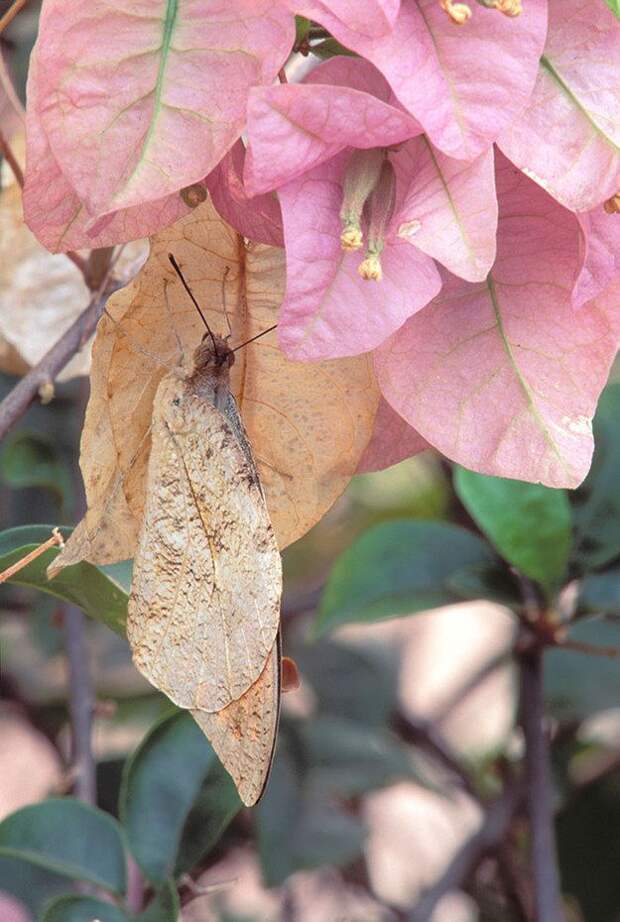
x=463 y=84
x=568 y=138
x=601 y=256
x=368 y=17
x=143 y=99
x=503 y=376
x=393 y=440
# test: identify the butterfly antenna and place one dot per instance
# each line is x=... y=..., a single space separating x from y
x=258 y=335
x=177 y=269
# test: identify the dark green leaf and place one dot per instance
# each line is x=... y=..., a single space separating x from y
x=31 y=885
x=530 y=525
x=397 y=568
x=302 y=27
x=299 y=833
x=596 y=507
x=614 y=6
x=29 y=460
x=579 y=684
x=352 y=681
x=96 y=592
x=67 y=837
x=329 y=48
x=600 y=592
x=161 y=782
x=164 y=907
x=76 y=908
x=347 y=758
x=486 y=581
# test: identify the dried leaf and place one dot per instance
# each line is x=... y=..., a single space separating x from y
x=308 y=424
x=244 y=734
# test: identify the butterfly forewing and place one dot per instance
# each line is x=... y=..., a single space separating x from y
x=205 y=602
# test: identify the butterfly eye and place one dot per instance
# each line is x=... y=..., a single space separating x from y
x=177 y=401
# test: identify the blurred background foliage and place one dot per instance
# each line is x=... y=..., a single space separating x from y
x=403 y=609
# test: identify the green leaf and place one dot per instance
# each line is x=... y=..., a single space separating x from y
x=29 y=460
x=352 y=681
x=75 y=908
x=329 y=48
x=397 y=568
x=31 y=885
x=348 y=758
x=530 y=525
x=600 y=592
x=486 y=581
x=614 y=6
x=580 y=684
x=164 y=907
x=67 y=837
x=162 y=780
x=95 y=591
x=302 y=27
x=296 y=832
x=596 y=504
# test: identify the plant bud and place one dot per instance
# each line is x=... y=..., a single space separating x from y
x=370 y=268
x=612 y=205
x=509 y=7
x=380 y=211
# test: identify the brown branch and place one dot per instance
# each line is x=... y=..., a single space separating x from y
x=543 y=859
x=590 y=649
x=55 y=541
x=44 y=372
x=494 y=827
x=81 y=706
x=422 y=733
x=11 y=159
x=11 y=13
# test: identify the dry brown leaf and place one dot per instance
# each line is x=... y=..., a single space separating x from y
x=41 y=294
x=308 y=423
x=243 y=734
x=204 y=608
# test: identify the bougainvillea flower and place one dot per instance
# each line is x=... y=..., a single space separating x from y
x=336 y=303
x=368 y=17
x=53 y=210
x=601 y=264
x=393 y=440
x=503 y=376
x=568 y=137
x=463 y=85
x=257 y=217
x=144 y=99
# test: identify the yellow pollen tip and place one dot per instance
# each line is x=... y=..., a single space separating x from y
x=351 y=238
x=459 y=13
x=509 y=7
x=612 y=205
x=370 y=268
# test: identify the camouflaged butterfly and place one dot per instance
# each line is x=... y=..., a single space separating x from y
x=204 y=610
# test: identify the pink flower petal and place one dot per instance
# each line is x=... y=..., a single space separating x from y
x=602 y=254
x=568 y=138
x=503 y=377
x=329 y=310
x=294 y=128
x=368 y=17
x=259 y=217
x=450 y=209
x=53 y=210
x=393 y=440
x=462 y=84
x=144 y=98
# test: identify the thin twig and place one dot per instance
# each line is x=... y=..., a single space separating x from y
x=492 y=831
x=81 y=705
x=591 y=649
x=544 y=868
x=11 y=159
x=55 y=541
x=11 y=13
x=44 y=372
x=422 y=733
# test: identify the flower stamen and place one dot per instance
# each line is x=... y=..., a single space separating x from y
x=361 y=177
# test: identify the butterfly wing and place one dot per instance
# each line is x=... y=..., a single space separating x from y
x=204 y=608
x=243 y=734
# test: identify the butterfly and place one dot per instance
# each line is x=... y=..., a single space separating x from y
x=204 y=609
